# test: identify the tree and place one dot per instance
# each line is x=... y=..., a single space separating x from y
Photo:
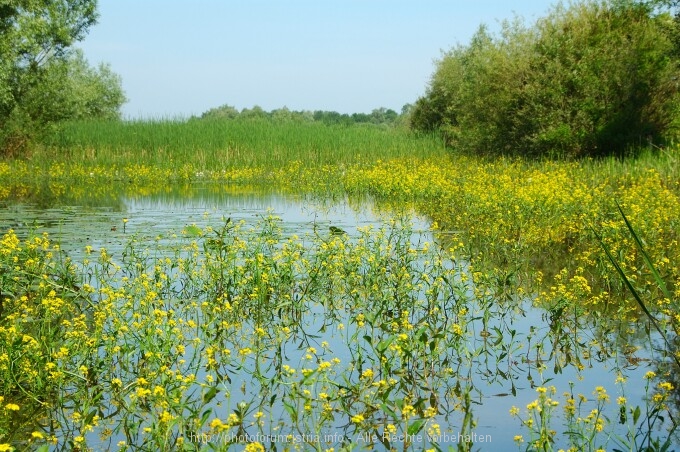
x=673 y=28
x=592 y=78
x=255 y=112
x=68 y=88
x=225 y=111
x=41 y=78
x=383 y=115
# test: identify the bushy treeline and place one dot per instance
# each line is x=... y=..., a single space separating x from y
x=591 y=78
x=379 y=116
x=43 y=79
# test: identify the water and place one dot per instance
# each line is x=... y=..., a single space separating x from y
x=101 y=225
x=111 y=222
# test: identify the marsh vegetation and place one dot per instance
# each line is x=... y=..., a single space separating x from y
x=496 y=294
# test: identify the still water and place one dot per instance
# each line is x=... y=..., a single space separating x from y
x=109 y=223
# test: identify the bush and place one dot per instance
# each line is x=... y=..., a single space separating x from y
x=42 y=79
x=65 y=88
x=592 y=78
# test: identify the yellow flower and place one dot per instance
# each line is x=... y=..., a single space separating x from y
x=142 y=392
x=601 y=394
x=666 y=386
x=430 y=412
x=408 y=411
x=434 y=430
x=254 y=447
x=233 y=419
x=533 y=406
x=217 y=424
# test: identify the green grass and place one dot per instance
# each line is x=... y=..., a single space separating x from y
x=211 y=144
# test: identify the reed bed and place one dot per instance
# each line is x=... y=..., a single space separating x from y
x=224 y=144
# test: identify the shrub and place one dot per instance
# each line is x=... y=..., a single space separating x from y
x=592 y=78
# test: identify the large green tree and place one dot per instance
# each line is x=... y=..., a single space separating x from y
x=591 y=78
x=42 y=79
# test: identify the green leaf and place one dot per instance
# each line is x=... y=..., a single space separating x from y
x=636 y=414
x=90 y=416
x=416 y=427
x=384 y=344
x=291 y=410
x=208 y=396
x=205 y=416
x=193 y=231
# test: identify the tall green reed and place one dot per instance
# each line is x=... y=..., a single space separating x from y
x=216 y=144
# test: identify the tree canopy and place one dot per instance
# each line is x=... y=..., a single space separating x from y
x=591 y=78
x=42 y=78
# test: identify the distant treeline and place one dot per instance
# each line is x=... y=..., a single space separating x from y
x=379 y=116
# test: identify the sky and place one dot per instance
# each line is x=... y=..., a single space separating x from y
x=181 y=58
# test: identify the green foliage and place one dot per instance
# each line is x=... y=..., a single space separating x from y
x=222 y=143
x=68 y=88
x=225 y=111
x=42 y=80
x=382 y=116
x=31 y=32
x=592 y=78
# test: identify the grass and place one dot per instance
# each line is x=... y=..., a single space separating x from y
x=225 y=144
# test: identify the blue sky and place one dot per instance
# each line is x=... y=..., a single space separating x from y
x=181 y=58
